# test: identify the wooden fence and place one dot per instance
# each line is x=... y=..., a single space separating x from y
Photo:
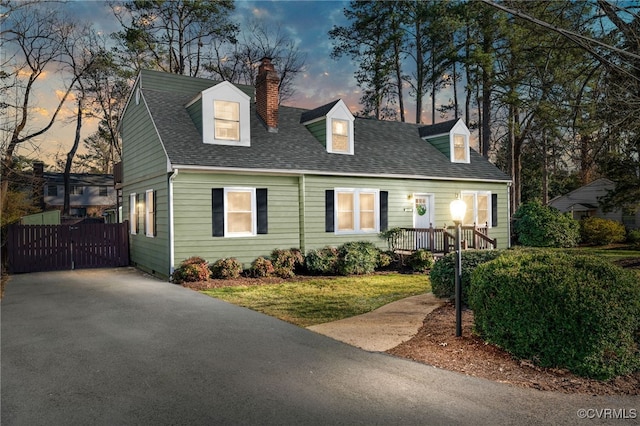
x=34 y=248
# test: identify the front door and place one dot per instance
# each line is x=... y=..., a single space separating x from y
x=422 y=218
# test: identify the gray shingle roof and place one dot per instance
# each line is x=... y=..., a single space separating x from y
x=438 y=128
x=321 y=111
x=381 y=147
x=86 y=179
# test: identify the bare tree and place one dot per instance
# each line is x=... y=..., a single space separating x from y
x=34 y=41
x=79 y=59
x=258 y=41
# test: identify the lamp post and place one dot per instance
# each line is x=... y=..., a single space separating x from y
x=458 y=209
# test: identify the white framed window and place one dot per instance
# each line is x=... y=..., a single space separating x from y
x=340 y=129
x=240 y=212
x=226 y=117
x=149 y=213
x=478 y=208
x=459 y=143
x=339 y=135
x=460 y=150
x=133 y=214
x=357 y=210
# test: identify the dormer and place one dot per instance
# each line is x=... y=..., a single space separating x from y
x=224 y=111
x=332 y=125
x=450 y=138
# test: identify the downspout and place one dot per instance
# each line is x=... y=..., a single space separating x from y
x=509 y=213
x=302 y=213
x=171 y=233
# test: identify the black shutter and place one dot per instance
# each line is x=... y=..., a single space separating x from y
x=384 y=210
x=217 y=210
x=328 y=210
x=143 y=209
x=261 y=203
x=494 y=209
x=155 y=213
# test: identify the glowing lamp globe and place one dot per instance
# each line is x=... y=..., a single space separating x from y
x=458 y=209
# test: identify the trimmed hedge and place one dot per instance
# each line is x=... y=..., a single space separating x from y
x=634 y=238
x=193 y=269
x=442 y=274
x=576 y=312
x=261 y=267
x=598 y=231
x=322 y=262
x=357 y=258
x=536 y=225
x=286 y=262
x=226 y=268
x=421 y=260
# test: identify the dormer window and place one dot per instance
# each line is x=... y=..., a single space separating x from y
x=223 y=111
x=339 y=135
x=226 y=116
x=460 y=151
x=332 y=125
x=451 y=138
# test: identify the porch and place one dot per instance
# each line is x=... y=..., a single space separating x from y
x=439 y=241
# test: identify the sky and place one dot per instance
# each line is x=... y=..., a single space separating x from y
x=307 y=22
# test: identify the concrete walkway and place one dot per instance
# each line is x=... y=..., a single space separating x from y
x=384 y=328
x=116 y=347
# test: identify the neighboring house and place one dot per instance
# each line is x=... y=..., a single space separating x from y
x=210 y=171
x=584 y=202
x=91 y=195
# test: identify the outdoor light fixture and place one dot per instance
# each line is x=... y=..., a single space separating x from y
x=458 y=209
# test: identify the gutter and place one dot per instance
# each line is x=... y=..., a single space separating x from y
x=249 y=171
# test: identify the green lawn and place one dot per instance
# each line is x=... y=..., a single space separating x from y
x=316 y=301
x=610 y=253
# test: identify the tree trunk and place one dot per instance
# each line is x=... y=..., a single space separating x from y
x=486 y=112
x=545 y=169
x=455 y=91
x=419 y=72
x=70 y=155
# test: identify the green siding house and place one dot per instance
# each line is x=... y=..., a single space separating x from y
x=217 y=170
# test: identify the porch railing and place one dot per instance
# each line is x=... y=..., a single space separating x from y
x=441 y=240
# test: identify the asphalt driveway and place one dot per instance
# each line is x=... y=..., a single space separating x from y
x=117 y=347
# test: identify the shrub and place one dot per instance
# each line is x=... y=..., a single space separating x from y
x=357 y=258
x=634 y=237
x=322 y=262
x=536 y=225
x=299 y=260
x=576 y=312
x=594 y=230
x=421 y=260
x=391 y=236
x=285 y=262
x=385 y=259
x=261 y=267
x=442 y=274
x=193 y=269
x=226 y=268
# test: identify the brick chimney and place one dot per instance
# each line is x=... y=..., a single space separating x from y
x=267 y=94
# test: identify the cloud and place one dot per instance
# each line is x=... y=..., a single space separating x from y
x=43 y=112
